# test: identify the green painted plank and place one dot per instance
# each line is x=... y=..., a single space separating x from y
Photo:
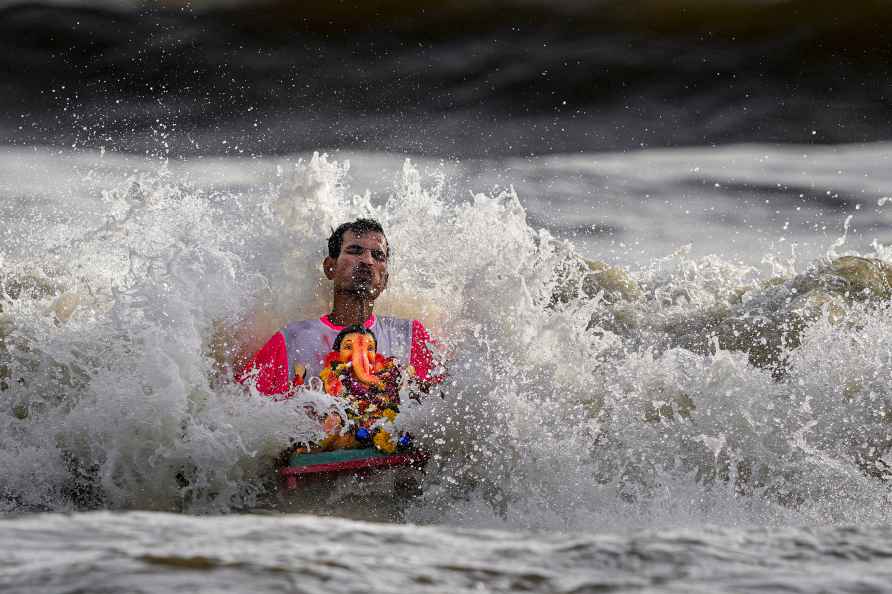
x=335 y=456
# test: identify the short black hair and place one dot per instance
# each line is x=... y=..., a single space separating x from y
x=358 y=227
x=354 y=329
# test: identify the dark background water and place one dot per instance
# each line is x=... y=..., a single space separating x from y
x=440 y=79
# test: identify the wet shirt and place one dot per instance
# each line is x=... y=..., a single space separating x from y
x=304 y=344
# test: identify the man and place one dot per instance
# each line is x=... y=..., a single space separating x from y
x=358 y=253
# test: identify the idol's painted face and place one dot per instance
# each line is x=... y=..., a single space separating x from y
x=360 y=350
x=356 y=343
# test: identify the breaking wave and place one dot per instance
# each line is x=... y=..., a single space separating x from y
x=687 y=389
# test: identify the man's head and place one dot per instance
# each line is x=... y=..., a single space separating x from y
x=357 y=227
x=358 y=253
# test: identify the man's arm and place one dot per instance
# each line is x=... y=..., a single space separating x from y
x=269 y=367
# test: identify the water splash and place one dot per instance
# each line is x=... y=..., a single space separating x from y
x=691 y=389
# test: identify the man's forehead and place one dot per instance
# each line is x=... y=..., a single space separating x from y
x=367 y=239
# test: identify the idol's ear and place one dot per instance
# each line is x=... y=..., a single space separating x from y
x=328 y=267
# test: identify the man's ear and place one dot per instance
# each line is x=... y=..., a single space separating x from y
x=386 y=278
x=328 y=267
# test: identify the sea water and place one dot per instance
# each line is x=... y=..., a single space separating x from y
x=603 y=426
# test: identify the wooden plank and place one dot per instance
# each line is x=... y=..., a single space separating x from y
x=376 y=461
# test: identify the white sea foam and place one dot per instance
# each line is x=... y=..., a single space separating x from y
x=129 y=297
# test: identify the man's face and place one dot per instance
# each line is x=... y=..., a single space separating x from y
x=361 y=268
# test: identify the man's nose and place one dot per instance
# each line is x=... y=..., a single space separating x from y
x=366 y=257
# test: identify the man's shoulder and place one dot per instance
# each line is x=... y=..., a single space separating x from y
x=299 y=325
x=300 y=330
x=391 y=322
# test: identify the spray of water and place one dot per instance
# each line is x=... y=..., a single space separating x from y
x=688 y=390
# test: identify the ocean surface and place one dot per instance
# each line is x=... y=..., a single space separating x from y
x=655 y=252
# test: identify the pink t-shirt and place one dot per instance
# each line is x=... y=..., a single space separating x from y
x=307 y=342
